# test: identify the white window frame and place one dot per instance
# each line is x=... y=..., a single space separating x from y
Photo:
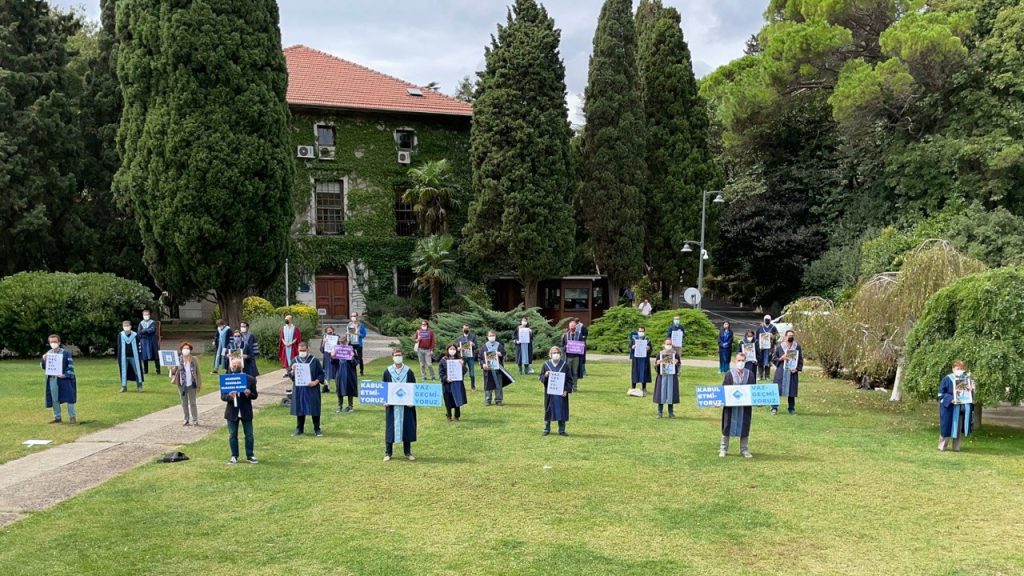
x=312 y=202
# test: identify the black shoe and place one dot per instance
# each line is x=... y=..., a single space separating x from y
x=545 y=433
x=563 y=433
x=318 y=433
x=297 y=433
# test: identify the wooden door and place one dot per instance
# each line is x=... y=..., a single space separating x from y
x=332 y=295
x=576 y=300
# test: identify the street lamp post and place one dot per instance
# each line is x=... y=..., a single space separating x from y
x=719 y=198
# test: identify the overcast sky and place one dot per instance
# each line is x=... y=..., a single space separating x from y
x=443 y=40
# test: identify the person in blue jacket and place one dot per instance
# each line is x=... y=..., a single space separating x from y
x=61 y=389
x=725 y=342
x=954 y=418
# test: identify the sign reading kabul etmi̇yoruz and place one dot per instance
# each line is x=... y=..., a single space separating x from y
x=376 y=393
x=744 y=395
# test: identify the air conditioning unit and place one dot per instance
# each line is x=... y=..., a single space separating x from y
x=404 y=157
x=326 y=152
x=305 y=152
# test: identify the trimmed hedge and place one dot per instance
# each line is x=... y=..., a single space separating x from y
x=86 y=310
x=297 y=311
x=978 y=319
x=610 y=333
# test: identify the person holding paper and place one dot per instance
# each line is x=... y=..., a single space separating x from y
x=61 y=384
x=556 y=406
x=327 y=344
x=766 y=335
x=220 y=347
x=736 y=419
x=666 y=387
x=749 y=349
x=186 y=378
x=492 y=359
x=358 y=329
x=573 y=333
x=468 y=346
x=306 y=375
x=640 y=358
x=288 y=342
x=239 y=411
x=789 y=362
x=425 y=344
x=677 y=334
x=347 y=383
x=524 y=346
x=725 y=342
x=129 y=352
x=149 y=341
x=250 y=350
x=399 y=421
x=954 y=418
x=452 y=385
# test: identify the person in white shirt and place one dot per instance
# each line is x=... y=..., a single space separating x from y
x=645 y=307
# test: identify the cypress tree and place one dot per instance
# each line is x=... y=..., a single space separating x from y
x=679 y=162
x=612 y=154
x=520 y=153
x=203 y=144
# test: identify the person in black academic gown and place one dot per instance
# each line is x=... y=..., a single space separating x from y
x=306 y=400
x=239 y=411
x=250 y=350
x=329 y=362
x=347 y=383
x=764 y=353
x=748 y=346
x=641 y=363
x=666 y=386
x=454 y=390
x=789 y=363
x=556 y=408
x=736 y=419
x=495 y=379
x=399 y=421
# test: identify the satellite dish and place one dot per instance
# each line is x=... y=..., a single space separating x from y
x=691 y=296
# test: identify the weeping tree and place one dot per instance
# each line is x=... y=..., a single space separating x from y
x=203 y=143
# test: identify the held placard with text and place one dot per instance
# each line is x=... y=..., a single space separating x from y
x=744 y=395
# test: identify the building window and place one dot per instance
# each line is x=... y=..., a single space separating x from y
x=324 y=135
x=404 y=282
x=551 y=298
x=330 y=207
x=405 y=216
x=599 y=302
x=405 y=138
x=577 y=299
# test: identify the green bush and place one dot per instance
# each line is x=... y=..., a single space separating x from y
x=253 y=307
x=85 y=309
x=395 y=326
x=298 y=311
x=392 y=305
x=610 y=333
x=977 y=319
x=268 y=328
x=448 y=327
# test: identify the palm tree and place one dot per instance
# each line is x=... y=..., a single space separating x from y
x=433 y=261
x=432 y=195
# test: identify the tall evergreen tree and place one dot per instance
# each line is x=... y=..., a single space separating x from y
x=680 y=165
x=520 y=153
x=613 y=152
x=40 y=216
x=203 y=144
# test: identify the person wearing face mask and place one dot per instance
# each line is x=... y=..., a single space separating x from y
x=468 y=348
x=725 y=342
x=666 y=387
x=220 y=346
x=749 y=349
x=425 y=344
x=238 y=411
x=573 y=333
x=736 y=419
x=186 y=378
x=524 y=346
x=454 y=390
x=330 y=364
x=250 y=350
x=347 y=383
x=63 y=388
x=357 y=333
x=149 y=341
x=789 y=362
x=677 y=333
x=399 y=421
x=306 y=400
x=129 y=352
x=641 y=371
x=766 y=335
x=954 y=419
x=288 y=342
x=492 y=360
x=556 y=408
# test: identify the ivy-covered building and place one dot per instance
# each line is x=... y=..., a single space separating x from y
x=355 y=134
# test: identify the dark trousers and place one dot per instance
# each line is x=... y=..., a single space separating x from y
x=458 y=411
x=233 y=437
x=765 y=370
x=791 y=402
x=300 y=423
x=341 y=401
x=359 y=353
x=145 y=366
x=470 y=367
x=561 y=425
x=671 y=410
x=406 y=447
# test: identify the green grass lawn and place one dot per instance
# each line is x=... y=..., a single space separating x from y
x=100 y=404
x=851 y=485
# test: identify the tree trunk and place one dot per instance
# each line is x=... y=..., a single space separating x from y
x=529 y=293
x=435 y=298
x=674 y=295
x=230 y=307
x=613 y=293
x=897 y=390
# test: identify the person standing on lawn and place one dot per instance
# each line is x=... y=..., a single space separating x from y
x=524 y=346
x=238 y=411
x=149 y=340
x=306 y=400
x=220 y=345
x=63 y=388
x=425 y=344
x=454 y=390
x=468 y=346
x=347 y=383
x=954 y=419
x=736 y=419
x=492 y=360
x=725 y=342
x=186 y=378
x=357 y=329
x=666 y=387
x=399 y=421
x=129 y=352
x=766 y=336
x=789 y=363
x=556 y=408
x=250 y=350
x=288 y=342
x=641 y=362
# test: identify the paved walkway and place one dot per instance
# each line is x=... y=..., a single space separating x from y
x=43 y=479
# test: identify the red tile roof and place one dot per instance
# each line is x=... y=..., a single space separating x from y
x=320 y=80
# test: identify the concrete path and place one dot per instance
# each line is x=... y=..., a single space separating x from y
x=43 y=479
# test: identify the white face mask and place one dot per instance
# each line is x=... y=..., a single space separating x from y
x=186 y=352
x=556 y=357
x=523 y=322
x=423 y=326
x=303 y=354
x=668 y=347
x=676 y=321
x=54 y=345
x=243 y=329
x=492 y=338
x=452 y=351
x=145 y=316
x=739 y=365
x=958 y=372
x=642 y=333
x=126 y=329
x=397 y=360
